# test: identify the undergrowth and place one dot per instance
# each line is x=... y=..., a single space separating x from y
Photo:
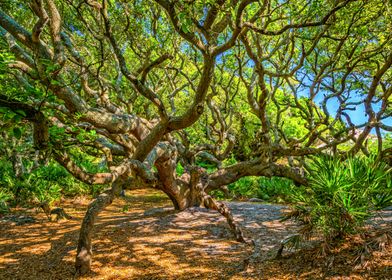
x=342 y=195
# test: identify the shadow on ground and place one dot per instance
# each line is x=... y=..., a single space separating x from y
x=142 y=237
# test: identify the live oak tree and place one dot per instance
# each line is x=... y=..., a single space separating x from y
x=149 y=85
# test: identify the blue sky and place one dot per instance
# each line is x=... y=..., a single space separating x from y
x=358 y=116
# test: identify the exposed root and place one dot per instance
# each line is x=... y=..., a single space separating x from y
x=211 y=203
x=199 y=197
x=379 y=242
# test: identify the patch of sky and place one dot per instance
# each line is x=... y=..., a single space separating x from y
x=250 y=63
x=219 y=59
x=203 y=18
x=355 y=103
x=75 y=30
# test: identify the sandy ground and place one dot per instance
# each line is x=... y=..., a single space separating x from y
x=142 y=237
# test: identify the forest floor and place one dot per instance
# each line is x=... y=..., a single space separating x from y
x=142 y=237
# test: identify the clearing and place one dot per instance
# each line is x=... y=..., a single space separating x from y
x=141 y=237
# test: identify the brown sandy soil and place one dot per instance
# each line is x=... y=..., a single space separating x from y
x=141 y=237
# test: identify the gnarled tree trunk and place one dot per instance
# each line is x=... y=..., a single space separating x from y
x=84 y=251
x=193 y=194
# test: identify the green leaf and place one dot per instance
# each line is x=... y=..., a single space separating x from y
x=9 y=115
x=17 y=132
x=3 y=110
x=17 y=118
x=21 y=112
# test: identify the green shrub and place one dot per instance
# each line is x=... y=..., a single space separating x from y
x=342 y=195
x=5 y=197
x=245 y=187
x=45 y=183
x=277 y=189
x=274 y=189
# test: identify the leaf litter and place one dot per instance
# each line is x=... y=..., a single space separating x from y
x=142 y=237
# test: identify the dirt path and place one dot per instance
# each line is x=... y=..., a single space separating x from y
x=143 y=238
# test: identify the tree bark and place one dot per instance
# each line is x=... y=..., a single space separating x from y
x=84 y=251
x=196 y=197
x=211 y=203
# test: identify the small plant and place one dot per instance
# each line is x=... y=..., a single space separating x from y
x=341 y=196
x=47 y=182
x=125 y=208
x=245 y=187
x=276 y=189
x=5 y=197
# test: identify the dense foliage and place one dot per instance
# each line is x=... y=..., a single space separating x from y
x=342 y=195
x=189 y=97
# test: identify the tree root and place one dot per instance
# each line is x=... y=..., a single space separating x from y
x=211 y=203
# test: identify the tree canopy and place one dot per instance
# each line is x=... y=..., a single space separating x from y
x=139 y=88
